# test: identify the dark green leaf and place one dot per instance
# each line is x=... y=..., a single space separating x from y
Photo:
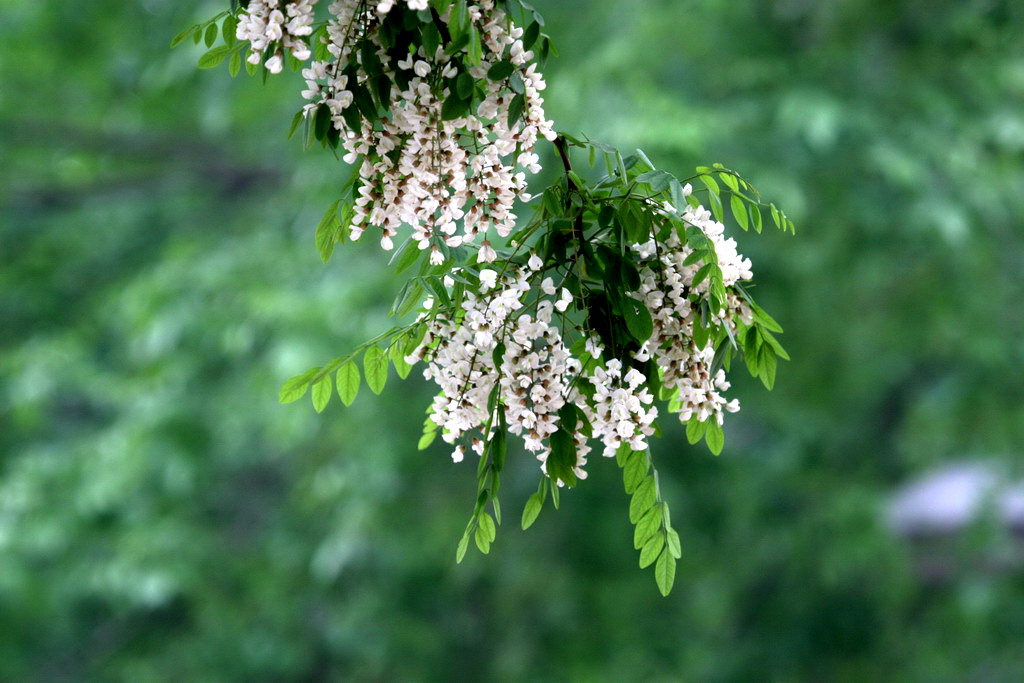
x=515 y=109
x=500 y=71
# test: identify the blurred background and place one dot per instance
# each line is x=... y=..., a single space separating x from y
x=162 y=518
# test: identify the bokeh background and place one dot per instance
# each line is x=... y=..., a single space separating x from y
x=162 y=518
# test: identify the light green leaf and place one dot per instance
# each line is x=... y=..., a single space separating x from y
x=643 y=499
x=460 y=553
x=646 y=527
x=426 y=440
x=296 y=387
x=348 y=382
x=235 y=64
x=482 y=541
x=180 y=38
x=487 y=525
x=398 y=359
x=633 y=474
x=375 y=363
x=327 y=232
x=665 y=572
x=532 y=510
x=652 y=548
x=714 y=436
x=673 y=544
x=322 y=393
x=739 y=211
x=214 y=57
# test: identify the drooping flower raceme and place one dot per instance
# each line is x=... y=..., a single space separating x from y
x=442 y=141
x=275 y=26
x=567 y=328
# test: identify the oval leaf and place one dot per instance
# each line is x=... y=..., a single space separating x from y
x=348 y=382
x=375 y=363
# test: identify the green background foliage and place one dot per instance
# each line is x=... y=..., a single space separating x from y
x=162 y=518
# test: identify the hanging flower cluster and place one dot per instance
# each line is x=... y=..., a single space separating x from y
x=619 y=297
x=668 y=290
x=495 y=346
x=272 y=26
x=439 y=135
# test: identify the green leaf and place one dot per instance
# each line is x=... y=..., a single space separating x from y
x=695 y=430
x=635 y=470
x=235 y=64
x=460 y=553
x=483 y=543
x=711 y=184
x=229 y=29
x=431 y=39
x=674 y=546
x=714 y=436
x=702 y=274
x=716 y=206
x=515 y=109
x=454 y=107
x=665 y=573
x=211 y=35
x=643 y=500
x=375 y=363
x=562 y=459
x=180 y=38
x=500 y=71
x=327 y=232
x=214 y=57
x=652 y=548
x=398 y=360
x=638 y=319
x=464 y=85
x=296 y=387
x=515 y=83
x=530 y=35
x=532 y=510
x=426 y=440
x=658 y=180
x=739 y=211
x=322 y=391
x=646 y=527
x=474 y=50
x=348 y=382
x=487 y=525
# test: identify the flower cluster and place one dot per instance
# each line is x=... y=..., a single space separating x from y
x=274 y=26
x=668 y=290
x=496 y=345
x=622 y=410
x=425 y=160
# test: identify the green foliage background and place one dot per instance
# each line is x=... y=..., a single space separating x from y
x=162 y=518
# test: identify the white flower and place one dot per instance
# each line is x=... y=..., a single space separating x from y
x=486 y=253
x=274 y=64
x=488 y=278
